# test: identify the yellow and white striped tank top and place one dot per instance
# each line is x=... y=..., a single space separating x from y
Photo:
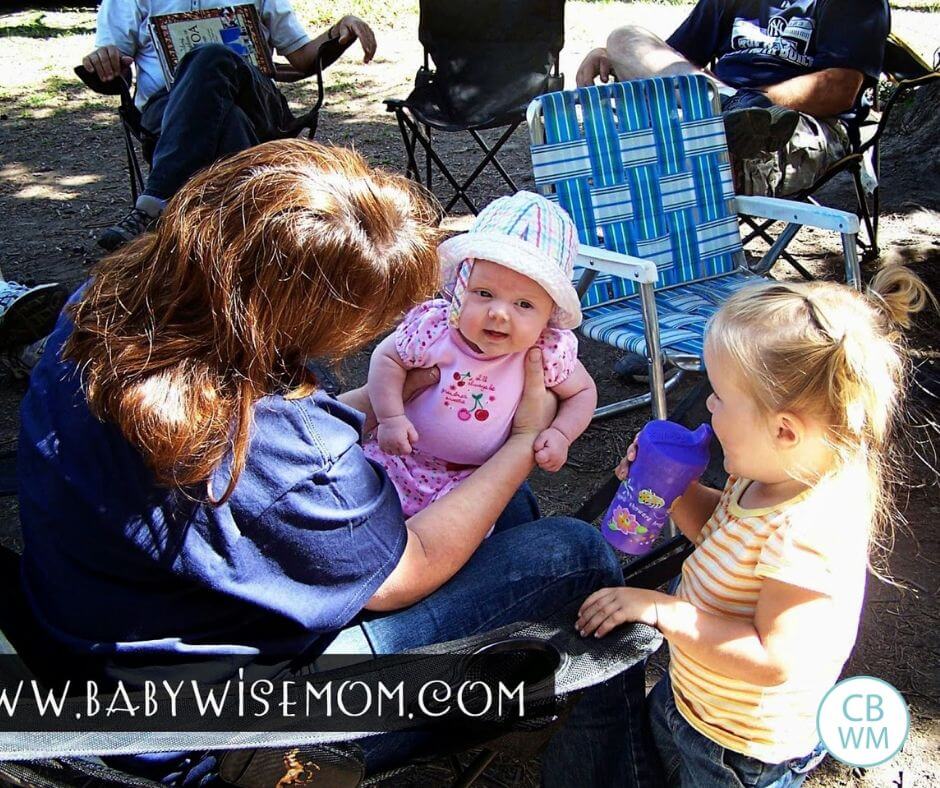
x=811 y=541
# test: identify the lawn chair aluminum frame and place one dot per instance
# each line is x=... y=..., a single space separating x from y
x=416 y=119
x=139 y=143
x=612 y=156
x=907 y=72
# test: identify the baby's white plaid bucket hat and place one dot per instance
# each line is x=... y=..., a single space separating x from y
x=530 y=235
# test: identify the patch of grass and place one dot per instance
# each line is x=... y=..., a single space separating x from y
x=36 y=27
x=320 y=14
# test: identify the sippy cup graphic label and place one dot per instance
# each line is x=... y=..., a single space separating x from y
x=669 y=458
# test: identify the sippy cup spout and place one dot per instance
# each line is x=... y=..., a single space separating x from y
x=702 y=435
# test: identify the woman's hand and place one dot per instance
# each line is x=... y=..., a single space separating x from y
x=538 y=406
x=610 y=607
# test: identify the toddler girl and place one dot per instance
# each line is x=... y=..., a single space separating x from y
x=807 y=382
x=509 y=280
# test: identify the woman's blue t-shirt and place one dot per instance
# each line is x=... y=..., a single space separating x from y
x=115 y=565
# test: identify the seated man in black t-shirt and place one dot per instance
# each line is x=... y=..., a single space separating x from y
x=786 y=71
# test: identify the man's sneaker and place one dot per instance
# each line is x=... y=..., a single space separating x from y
x=28 y=313
x=135 y=223
x=755 y=130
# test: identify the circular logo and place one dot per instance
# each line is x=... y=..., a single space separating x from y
x=863 y=721
x=776 y=26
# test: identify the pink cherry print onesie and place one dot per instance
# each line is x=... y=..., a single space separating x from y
x=463 y=420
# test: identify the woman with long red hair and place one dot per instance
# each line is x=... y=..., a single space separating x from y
x=188 y=488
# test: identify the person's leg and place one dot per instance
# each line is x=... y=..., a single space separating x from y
x=812 y=149
x=661 y=712
x=529 y=572
x=219 y=104
x=606 y=740
x=636 y=53
x=691 y=759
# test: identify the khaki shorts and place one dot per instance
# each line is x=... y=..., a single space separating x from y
x=814 y=147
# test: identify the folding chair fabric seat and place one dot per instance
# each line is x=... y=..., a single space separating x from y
x=683 y=312
x=642 y=168
x=645 y=172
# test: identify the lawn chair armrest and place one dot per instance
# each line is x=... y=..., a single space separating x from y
x=623 y=265
x=801 y=213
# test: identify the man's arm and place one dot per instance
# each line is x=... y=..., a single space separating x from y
x=821 y=94
x=348 y=28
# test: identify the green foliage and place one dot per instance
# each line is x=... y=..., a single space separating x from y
x=319 y=14
x=35 y=26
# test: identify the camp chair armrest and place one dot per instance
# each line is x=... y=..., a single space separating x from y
x=623 y=265
x=793 y=212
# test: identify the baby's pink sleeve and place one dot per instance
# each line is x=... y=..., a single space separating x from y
x=559 y=355
x=423 y=327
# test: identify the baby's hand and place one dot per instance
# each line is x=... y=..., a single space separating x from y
x=623 y=468
x=397 y=435
x=551 y=449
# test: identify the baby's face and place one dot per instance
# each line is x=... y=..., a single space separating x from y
x=503 y=311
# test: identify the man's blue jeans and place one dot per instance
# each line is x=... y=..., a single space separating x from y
x=528 y=569
x=219 y=105
x=690 y=759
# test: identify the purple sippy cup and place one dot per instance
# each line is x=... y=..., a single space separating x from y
x=669 y=458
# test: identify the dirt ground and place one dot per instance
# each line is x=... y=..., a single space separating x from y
x=62 y=178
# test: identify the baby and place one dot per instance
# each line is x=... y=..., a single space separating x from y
x=509 y=281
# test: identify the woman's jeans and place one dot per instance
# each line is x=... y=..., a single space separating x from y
x=528 y=569
x=690 y=759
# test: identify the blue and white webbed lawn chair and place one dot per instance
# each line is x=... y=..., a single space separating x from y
x=642 y=168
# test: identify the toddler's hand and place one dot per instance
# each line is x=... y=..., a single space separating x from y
x=551 y=449
x=397 y=435
x=623 y=468
x=610 y=607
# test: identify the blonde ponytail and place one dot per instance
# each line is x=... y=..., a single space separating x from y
x=900 y=293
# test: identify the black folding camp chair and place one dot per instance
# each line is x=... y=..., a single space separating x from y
x=139 y=143
x=548 y=655
x=490 y=58
x=903 y=73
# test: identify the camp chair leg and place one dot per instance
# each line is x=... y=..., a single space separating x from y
x=759 y=230
x=475 y=769
x=653 y=351
x=409 y=139
x=487 y=159
x=496 y=163
x=431 y=156
x=777 y=249
x=853 y=274
x=133 y=167
x=863 y=211
x=427 y=162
